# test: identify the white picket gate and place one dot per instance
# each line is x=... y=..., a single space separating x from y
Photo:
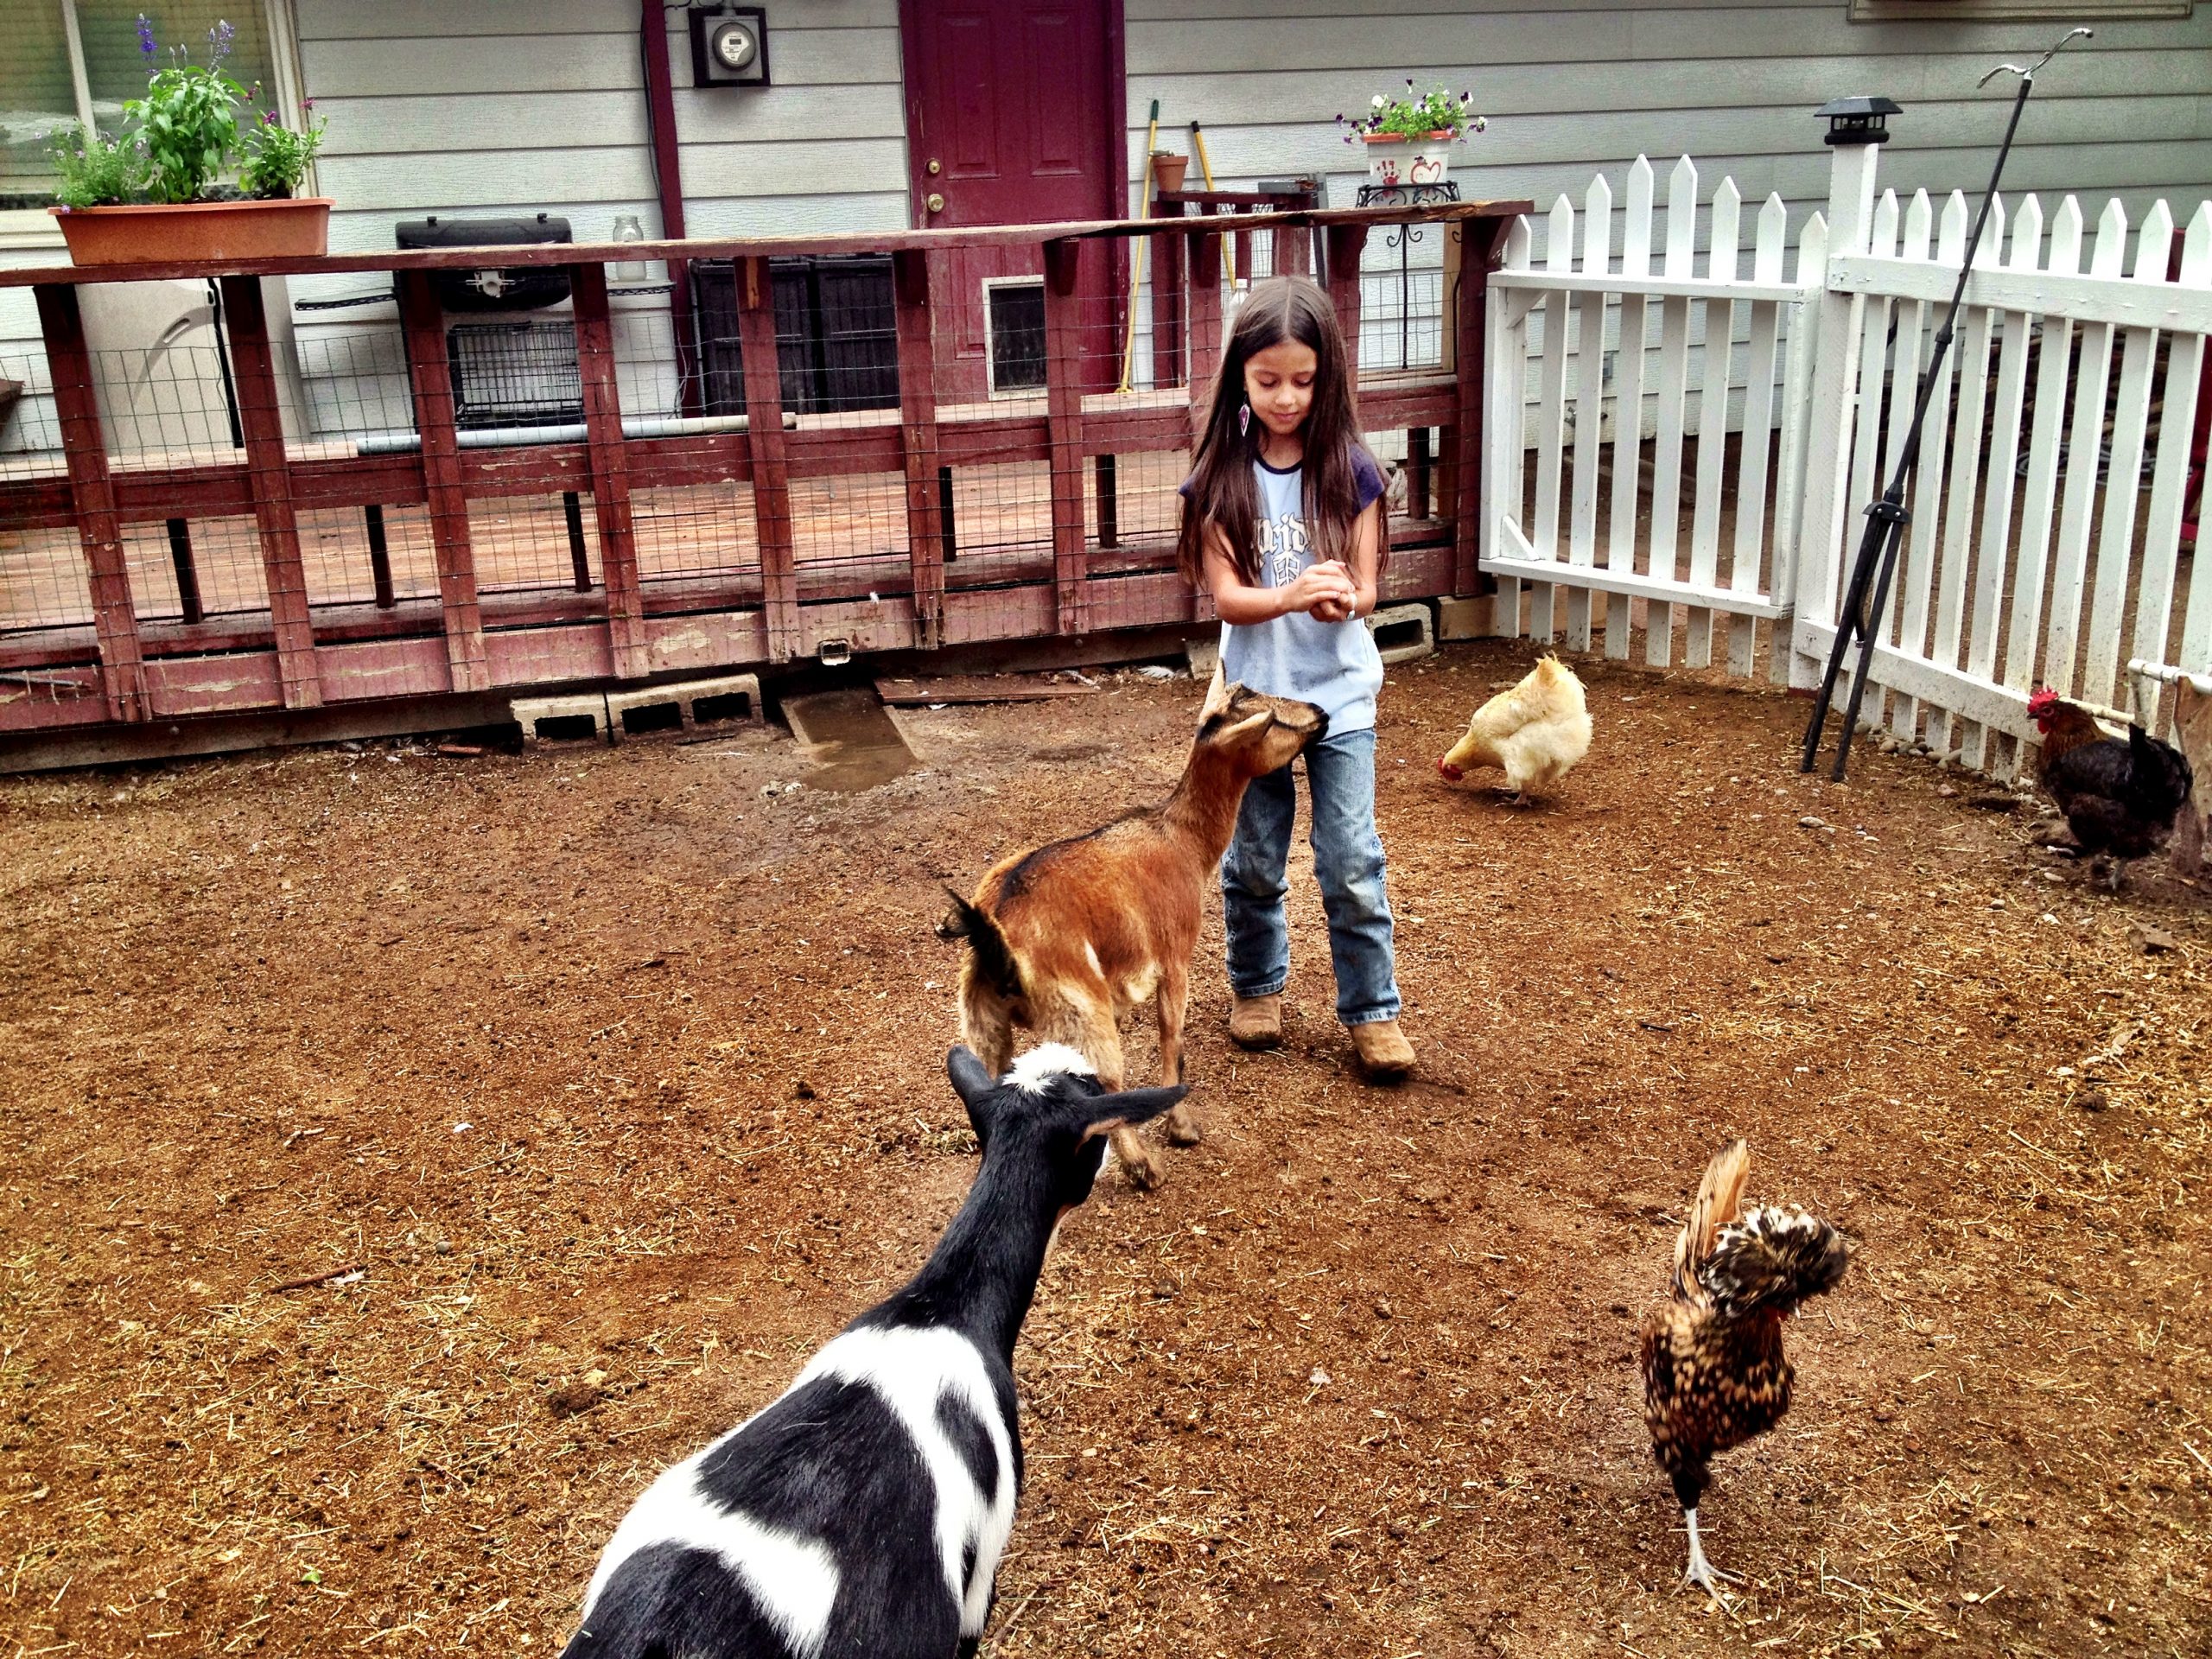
x=2023 y=565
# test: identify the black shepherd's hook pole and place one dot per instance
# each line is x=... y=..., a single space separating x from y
x=1876 y=564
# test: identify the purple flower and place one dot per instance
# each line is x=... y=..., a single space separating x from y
x=269 y=118
x=146 y=42
x=307 y=103
x=220 y=39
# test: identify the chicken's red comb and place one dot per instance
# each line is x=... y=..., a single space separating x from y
x=2041 y=703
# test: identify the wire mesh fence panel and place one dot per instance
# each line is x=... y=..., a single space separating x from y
x=648 y=372
x=43 y=580
x=1401 y=313
x=962 y=446
x=1132 y=501
x=531 y=541
x=857 y=519
x=172 y=407
x=353 y=387
x=373 y=555
x=186 y=570
x=695 y=531
x=30 y=436
x=999 y=510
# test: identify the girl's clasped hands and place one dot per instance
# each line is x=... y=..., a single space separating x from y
x=1324 y=590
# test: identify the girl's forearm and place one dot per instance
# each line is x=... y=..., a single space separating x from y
x=1244 y=606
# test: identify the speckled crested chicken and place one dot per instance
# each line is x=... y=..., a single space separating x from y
x=1536 y=731
x=1715 y=1374
x=2120 y=798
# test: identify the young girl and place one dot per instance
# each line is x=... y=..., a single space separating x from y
x=1282 y=521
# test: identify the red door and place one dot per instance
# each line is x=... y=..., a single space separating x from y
x=1014 y=117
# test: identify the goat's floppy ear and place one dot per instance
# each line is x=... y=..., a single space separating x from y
x=1217 y=695
x=969 y=1080
x=1249 y=723
x=976 y=1088
x=1132 y=1107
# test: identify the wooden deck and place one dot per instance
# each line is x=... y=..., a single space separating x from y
x=613 y=556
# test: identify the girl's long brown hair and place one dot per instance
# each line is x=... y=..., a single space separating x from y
x=1223 y=494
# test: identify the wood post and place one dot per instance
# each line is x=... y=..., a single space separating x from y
x=610 y=474
x=189 y=610
x=1346 y=244
x=926 y=519
x=1477 y=240
x=1205 y=308
x=1063 y=424
x=91 y=494
x=379 y=556
x=424 y=321
x=1167 y=262
x=261 y=421
x=771 y=487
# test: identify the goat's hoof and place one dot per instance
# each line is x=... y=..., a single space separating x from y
x=1182 y=1128
x=1143 y=1172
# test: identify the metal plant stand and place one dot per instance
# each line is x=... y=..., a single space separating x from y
x=1405 y=195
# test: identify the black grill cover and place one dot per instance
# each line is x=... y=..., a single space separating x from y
x=515 y=287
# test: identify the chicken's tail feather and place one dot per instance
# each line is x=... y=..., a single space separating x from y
x=1771 y=1259
x=1719 y=1200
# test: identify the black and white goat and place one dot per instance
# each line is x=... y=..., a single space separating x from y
x=862 y=1515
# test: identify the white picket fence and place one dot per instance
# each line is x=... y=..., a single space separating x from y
x=1793 y=381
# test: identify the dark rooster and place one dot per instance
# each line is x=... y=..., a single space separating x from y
x=1715 y=1374
x=2120 y=799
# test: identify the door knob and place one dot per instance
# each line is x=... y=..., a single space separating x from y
x=935 y=203
x=936 y=167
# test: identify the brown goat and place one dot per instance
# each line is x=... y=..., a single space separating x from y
x=1066 y=939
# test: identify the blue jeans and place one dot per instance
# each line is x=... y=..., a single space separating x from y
x=1348 y=861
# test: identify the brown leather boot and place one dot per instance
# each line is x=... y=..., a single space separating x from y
x=1257 y=1022
x=1385 y=1054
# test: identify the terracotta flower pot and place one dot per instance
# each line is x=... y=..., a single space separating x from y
x=1167 y=169
x=200 y=231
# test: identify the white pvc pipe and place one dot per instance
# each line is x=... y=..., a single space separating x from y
x=511 y=437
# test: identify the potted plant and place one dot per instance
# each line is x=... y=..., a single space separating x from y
x=1409 y=138
x=154 y=191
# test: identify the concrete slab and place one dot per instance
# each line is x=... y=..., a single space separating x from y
x=851 y=739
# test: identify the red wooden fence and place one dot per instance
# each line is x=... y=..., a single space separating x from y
x=129 y=666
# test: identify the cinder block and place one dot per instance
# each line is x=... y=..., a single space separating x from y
x=1204 y=654
x=1464 y=618
x=532 y=713
x=676 y=707
x=1402 y=632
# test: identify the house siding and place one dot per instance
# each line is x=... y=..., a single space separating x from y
x=496 y=106
x=1575 y=89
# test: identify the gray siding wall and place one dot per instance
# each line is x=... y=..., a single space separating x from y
x=488 y=106
x=1577 y=86
x=495 y=106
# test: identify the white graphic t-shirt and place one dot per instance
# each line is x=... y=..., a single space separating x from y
x=1334 y=665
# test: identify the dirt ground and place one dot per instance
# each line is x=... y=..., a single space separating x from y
x=613 y=1082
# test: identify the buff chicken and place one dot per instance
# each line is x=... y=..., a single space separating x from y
x=1715 y=1374
x=1535 y=732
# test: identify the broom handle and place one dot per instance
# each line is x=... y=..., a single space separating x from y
x=1206 y=168
x=1137 y=261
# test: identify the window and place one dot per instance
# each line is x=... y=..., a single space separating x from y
x=1015 y=306
x=65 y=61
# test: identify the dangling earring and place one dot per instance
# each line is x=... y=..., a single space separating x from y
x=1244 y=422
